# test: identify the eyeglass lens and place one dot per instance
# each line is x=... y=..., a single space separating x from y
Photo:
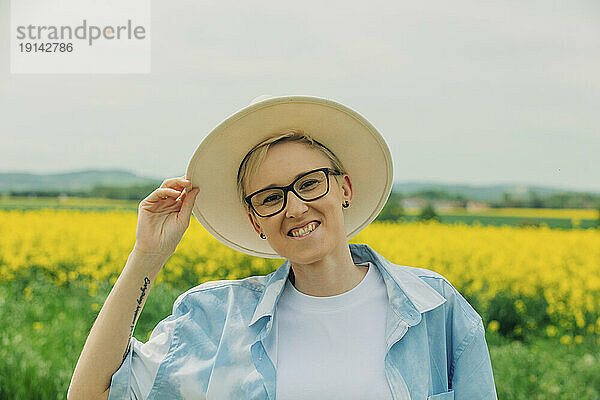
x=307 y=187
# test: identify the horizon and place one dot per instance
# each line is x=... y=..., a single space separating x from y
x=516 y=185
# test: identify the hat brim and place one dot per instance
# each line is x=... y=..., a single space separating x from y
x=214 y=166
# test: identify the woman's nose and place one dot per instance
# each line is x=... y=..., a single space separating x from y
x=295 y=206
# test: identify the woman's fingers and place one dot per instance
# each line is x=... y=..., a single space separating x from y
x=171 y=193
x=188 y=205
x=183 y=193
x=164 y=193
x=175 y=183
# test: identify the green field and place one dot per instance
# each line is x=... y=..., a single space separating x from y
x=44 y=327
x=484 y=220
x=495 y=217
x=43 y=333
x=66 y=203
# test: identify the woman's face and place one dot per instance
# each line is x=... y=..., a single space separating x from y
x=282 y=164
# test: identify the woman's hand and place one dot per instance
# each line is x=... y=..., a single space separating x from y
x=163 y=217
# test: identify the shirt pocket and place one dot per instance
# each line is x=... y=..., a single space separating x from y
x=449 y=395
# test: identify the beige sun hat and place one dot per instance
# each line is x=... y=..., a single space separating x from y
x=214 y=166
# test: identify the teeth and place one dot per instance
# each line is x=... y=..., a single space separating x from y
x=305 y=231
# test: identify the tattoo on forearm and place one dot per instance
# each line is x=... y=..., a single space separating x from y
x=135 y=314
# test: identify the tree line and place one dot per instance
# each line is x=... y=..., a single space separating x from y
x=393 y=210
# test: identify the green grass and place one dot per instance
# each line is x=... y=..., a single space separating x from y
x=543 y=368
x=39 y=363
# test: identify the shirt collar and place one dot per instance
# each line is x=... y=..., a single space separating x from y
x=409 y=295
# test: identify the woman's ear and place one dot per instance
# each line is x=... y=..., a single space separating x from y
x=254 y=223
x=346 y=188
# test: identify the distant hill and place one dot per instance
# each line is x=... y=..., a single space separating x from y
x=482 y=193
x=70 y=181
x=86 y=180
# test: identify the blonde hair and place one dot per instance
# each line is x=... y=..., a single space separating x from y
x=251 y=162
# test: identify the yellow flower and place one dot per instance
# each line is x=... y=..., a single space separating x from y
x=590 y=329
x=578 y=339
x=551 y=330
x=95 y=306
x=579 y=320
x=28 y=293
x=37 y=325
x=494 y=325
x=565 y=339
x=518 y=330
x=520 y=306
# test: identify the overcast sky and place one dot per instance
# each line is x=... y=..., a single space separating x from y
x=464 y=91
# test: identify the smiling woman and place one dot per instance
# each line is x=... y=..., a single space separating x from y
x=301 y=176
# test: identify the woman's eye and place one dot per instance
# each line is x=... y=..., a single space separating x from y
x=308 y=184
x=271 y=198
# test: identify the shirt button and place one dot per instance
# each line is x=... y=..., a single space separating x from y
x=409 y=315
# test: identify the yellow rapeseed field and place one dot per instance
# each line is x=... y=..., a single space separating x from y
x=562 y=267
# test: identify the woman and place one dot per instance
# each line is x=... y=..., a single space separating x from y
x=291 y=177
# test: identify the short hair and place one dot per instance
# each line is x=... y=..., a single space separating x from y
x=257 y=154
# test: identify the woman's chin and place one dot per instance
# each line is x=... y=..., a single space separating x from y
x=307 y=254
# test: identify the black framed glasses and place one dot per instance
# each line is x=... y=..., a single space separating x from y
x=309 y=186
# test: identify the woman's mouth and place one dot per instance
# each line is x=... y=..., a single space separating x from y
x=304 y=231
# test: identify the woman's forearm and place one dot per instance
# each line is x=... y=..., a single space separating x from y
x=110 y=336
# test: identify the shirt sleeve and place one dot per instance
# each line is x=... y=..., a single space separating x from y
x=472 y=376
x=135 y=377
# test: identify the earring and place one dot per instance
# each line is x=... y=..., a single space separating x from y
x=262 y=236
x=346 y=204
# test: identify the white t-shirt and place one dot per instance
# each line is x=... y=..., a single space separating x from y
x=332 y=347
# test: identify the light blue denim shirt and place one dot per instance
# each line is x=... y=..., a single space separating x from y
x=214 y=345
